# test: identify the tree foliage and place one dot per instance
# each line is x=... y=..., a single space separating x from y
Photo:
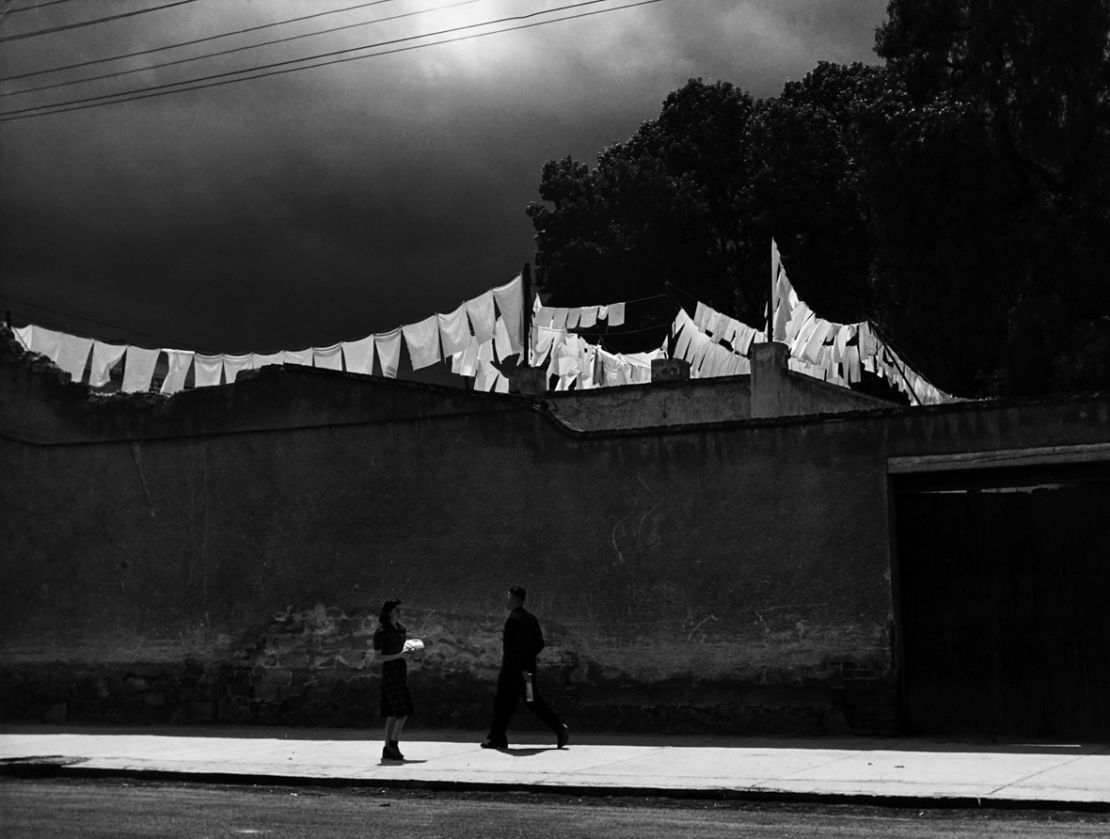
x=803 y=149
x=958 y=195
x=1001 y=141
x=663 y=206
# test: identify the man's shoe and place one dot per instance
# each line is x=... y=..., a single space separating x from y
x=493 y=744
x=562 y=736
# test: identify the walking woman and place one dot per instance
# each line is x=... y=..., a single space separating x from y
x=390 y=650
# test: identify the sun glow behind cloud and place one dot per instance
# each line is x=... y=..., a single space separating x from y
x=499 y=37
x=356 y=195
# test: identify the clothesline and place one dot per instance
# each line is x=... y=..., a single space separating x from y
x=488 y=329
x=837 y=352
x=493 y=318
x=719 y=345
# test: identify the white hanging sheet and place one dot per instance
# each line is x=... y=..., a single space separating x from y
x=454 y=331
x=481 y=314
x=358 y=356
x=388 y=346
x=422 y=340
x=235 y=363
x=178 y=363
x=73 y=355
x=104 y=358
x=138 y=369
x=510 y=302
x=328 y=358
x=207 y=370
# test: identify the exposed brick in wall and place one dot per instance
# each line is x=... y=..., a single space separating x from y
x=313 y=666
x=306 y=666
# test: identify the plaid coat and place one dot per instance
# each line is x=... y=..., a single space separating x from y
x=395 y=698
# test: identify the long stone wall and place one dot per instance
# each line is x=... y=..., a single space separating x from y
x=222 y=557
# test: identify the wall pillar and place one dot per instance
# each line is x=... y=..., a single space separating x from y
x=670 y=370
x=528 y=381
x=768 y=379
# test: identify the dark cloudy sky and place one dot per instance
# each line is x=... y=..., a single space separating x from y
x=325 y=205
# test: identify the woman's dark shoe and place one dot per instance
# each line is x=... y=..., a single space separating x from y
x=390 y=753
x=397 y=749
x=493 y=744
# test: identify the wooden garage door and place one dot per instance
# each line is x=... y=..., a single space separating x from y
x=1003 y=595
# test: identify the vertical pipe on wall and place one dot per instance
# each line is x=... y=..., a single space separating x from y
x=526 y=314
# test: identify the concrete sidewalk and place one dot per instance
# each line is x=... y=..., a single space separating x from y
x=891 y=772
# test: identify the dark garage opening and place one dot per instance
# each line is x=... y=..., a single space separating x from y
x=1002 y=581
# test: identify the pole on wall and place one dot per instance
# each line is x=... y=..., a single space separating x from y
x=771 y=297
x=526 y=314
x=770 y=311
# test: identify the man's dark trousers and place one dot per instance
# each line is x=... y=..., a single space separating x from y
x=510 y=690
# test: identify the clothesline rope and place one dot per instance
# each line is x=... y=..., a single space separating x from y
x=494 y=317
x=485 y=331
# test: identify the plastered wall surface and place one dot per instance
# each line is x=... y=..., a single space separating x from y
x=655 y=405
x=223 y=559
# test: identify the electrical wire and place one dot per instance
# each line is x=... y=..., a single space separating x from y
x=203 y=56
x=58 y=325
x=220 y=79
x=193 y=42
x=615 y=332
x=659 y=296
x=885 y=338
x=51 y=30
x=695 y=299
x=673 y=285
x=37 y=6
x=225 y=75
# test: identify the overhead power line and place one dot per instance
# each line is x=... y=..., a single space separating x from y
x=64 y=326
x=220 y=79
x=220 y=53
x=193 y=42
x=51 y=30
x=36 y=6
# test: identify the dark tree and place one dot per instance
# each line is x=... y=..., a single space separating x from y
x=989 y=188
x=803 y=150
x=959 y=196
x=663 y=206
x=947 y=233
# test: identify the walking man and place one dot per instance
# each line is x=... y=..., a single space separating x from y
x=522 y=641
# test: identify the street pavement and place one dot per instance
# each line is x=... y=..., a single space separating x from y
x=896 y=772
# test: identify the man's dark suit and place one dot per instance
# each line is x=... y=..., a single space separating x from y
x=522 y=641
